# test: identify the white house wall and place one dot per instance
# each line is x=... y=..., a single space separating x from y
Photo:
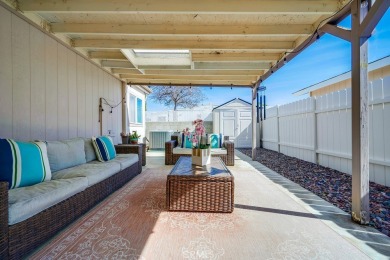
x=140 y=128
x=48 y=91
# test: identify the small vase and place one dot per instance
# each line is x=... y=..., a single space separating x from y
x=201 y=157
x=125 y=139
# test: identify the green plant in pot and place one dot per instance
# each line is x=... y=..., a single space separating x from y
x=134 y=137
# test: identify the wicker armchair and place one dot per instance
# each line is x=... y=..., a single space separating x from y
x=171 y=158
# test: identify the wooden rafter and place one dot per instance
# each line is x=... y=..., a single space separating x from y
x=156 y=29
x=175 y=6
x=157 y=44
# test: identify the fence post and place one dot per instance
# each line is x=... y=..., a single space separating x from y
x=277 y=127
x=315 y=140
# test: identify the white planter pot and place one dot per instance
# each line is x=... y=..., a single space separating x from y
x=201 y=156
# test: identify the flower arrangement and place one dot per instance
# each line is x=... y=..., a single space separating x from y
x=199 y=139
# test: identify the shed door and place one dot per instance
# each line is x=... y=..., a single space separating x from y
x=228 y=123
x=244 y=135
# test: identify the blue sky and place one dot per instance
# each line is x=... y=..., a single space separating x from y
x=328 y=57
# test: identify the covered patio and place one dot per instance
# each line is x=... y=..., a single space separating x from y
x=60 y=59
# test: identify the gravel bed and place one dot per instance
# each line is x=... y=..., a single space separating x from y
x=329 y=184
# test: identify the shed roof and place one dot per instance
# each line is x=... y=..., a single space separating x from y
x=234 y=99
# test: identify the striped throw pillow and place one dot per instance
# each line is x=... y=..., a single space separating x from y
x=104 y=148
x=23 y=163
x=186 y=141
x=216 y=140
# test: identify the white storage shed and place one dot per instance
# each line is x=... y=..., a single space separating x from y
x=234 y=119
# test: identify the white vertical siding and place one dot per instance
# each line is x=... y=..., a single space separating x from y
x=21 y=98
x=6 y=106
x=38 y=84
x=48 y=91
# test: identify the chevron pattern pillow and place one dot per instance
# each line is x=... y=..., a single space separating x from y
x=23 y=163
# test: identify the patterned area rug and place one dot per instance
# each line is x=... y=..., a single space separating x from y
x=134 y=224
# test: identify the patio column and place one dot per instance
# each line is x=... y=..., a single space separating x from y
x=125 y=123
x=360 y=137
x=254 y=120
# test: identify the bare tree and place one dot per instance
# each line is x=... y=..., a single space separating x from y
x=184 y=97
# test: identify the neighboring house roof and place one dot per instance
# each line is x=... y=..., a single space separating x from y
x=234 y=99
x=347 y=75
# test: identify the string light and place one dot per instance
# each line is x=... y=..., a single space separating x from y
x=285 y=61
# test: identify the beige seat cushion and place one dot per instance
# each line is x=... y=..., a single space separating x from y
x=26 y=202
x=219 y=151
x=125 y=160
x=179 y=150
x=94 y=171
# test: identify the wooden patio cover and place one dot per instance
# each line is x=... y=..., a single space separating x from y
x=229 y=42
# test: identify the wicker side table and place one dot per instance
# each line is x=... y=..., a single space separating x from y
x=195 y=188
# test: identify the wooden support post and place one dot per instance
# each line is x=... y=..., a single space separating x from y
x=360 y=137
x=254 y=123
x=125 y=125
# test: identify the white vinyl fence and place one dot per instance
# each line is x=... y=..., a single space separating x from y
x=318 y=130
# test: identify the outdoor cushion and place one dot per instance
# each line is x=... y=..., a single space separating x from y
x=186 y=141
x=90 y=154
x=126 y=160
x=104 y=148
x=66 y=153
x=216 y=140
x=179 y=150
x=26 y=202
x=94 y=171
x=219 y=151
x=23 y=163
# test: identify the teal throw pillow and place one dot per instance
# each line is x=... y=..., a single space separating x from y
x=104 y=148
x=23 y=163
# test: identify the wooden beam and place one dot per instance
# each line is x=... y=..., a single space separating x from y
x=339 y=32
x=164 y=67
x=216 y=56
x=156 y=44
x=208 y=78
x=179 y=6
x=128 y=71
x=117 y=64
x=360 y=149
x=167 y=29
x=183 y=84
x=191 y=82
x=106 y=55
x=205 y=72
x=231 y=65
x=373 y=17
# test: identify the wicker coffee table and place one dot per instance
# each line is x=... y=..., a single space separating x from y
x=195 y=188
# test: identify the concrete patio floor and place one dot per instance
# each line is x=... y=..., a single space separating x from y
x=365 y=239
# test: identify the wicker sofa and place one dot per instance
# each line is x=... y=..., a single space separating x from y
x=21 y=238
x=173 y=153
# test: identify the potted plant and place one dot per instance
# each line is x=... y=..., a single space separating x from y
x=125 y=138
x=134 y=137
x=201 y=154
